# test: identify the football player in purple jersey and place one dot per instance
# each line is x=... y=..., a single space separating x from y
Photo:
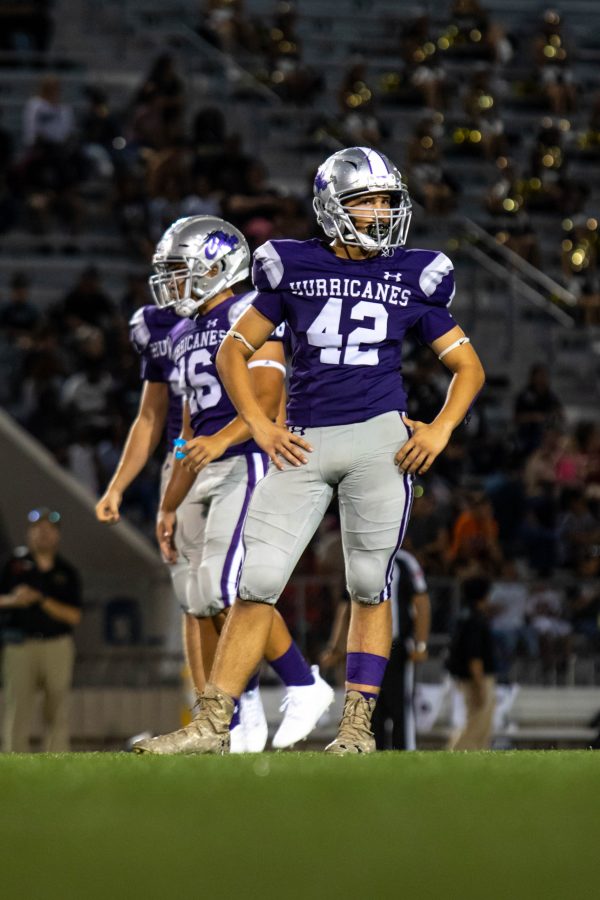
x=160 y=410
x=204 y=505
x=349 y=302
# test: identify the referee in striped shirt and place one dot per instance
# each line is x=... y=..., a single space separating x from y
x=394 y=717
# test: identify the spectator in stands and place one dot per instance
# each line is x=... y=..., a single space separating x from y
x=536 y=408
x=540 y=471
x=482 y=108
x=19 y=316
x=475 y=536
x=46 y=119
x=505 y=200
x=87 y=303
x=506 y=489
x=163 y=93
x=585 y=609
x=7 y=146
x=40 y=605
x=428 y=536
x=548 y=619
x=43 y=375
x=474 y=35
x=51 y=167
x=224 y=23
x=578 y=530
x=26 y=26
x=509 y=608
x=87 y=394
x=101 y=134
x=132 y=213
x=430 y=182
x=256 y=200
x=472 y=664
x=552 y=57
x=425 y=387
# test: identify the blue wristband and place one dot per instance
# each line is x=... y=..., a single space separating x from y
x=179 y=442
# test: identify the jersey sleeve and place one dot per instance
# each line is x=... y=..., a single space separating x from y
x=140 y=337
x=433 y=324
x=272 y=307
x=267 y=268
x=150 y=371
x=436 y=281
x=139 y=331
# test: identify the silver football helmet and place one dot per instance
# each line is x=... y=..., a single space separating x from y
x=352 y=173
x=195 y=259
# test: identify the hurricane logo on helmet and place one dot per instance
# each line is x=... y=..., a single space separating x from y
x=358 y=172
x=197 y=258
x=218 y=241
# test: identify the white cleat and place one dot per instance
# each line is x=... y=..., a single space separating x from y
x=237 y=740
x=253 y=721
x=303 y=707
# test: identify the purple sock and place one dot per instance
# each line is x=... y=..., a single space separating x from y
x=366 y=668
x=292 y=668
x=252 y=684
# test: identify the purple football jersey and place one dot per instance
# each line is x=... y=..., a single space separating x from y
x=193 y=347
x=148 y=332
x=348 y=319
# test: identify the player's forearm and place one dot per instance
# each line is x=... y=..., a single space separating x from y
x=235 y=375
x=141 y=443
x=422 y=623
x=476 y=670
x=178 y=488
x=462 y=391
x=62 y=612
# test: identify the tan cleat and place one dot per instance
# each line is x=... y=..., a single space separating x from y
x=207 y=733
x=354 y=734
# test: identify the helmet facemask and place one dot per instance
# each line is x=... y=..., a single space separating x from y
x=387 y=230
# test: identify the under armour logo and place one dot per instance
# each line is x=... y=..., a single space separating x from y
x=395 y=275
x=298 y=429
x=212 y=323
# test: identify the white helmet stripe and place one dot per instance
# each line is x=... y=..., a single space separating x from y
x=376 y=163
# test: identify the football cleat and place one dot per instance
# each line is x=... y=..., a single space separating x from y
x=208 y=732
x=253 y=721
x=303 y=706
x=237 y=739
x=354 y=734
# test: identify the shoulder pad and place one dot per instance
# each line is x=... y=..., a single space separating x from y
x=437 y=280
x=139 y=332
x=267 y=267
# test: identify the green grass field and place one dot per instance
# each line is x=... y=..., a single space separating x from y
x=301 y=825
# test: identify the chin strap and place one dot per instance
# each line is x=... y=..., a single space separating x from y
x=458 y=343
x=240 y=337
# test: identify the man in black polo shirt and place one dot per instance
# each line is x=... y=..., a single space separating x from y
x=471 y=662
x=40 y=604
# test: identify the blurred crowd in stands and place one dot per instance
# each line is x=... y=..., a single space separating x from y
x=524 y=503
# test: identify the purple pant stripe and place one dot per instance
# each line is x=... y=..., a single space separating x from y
x=405 y=517
x=226 y=594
